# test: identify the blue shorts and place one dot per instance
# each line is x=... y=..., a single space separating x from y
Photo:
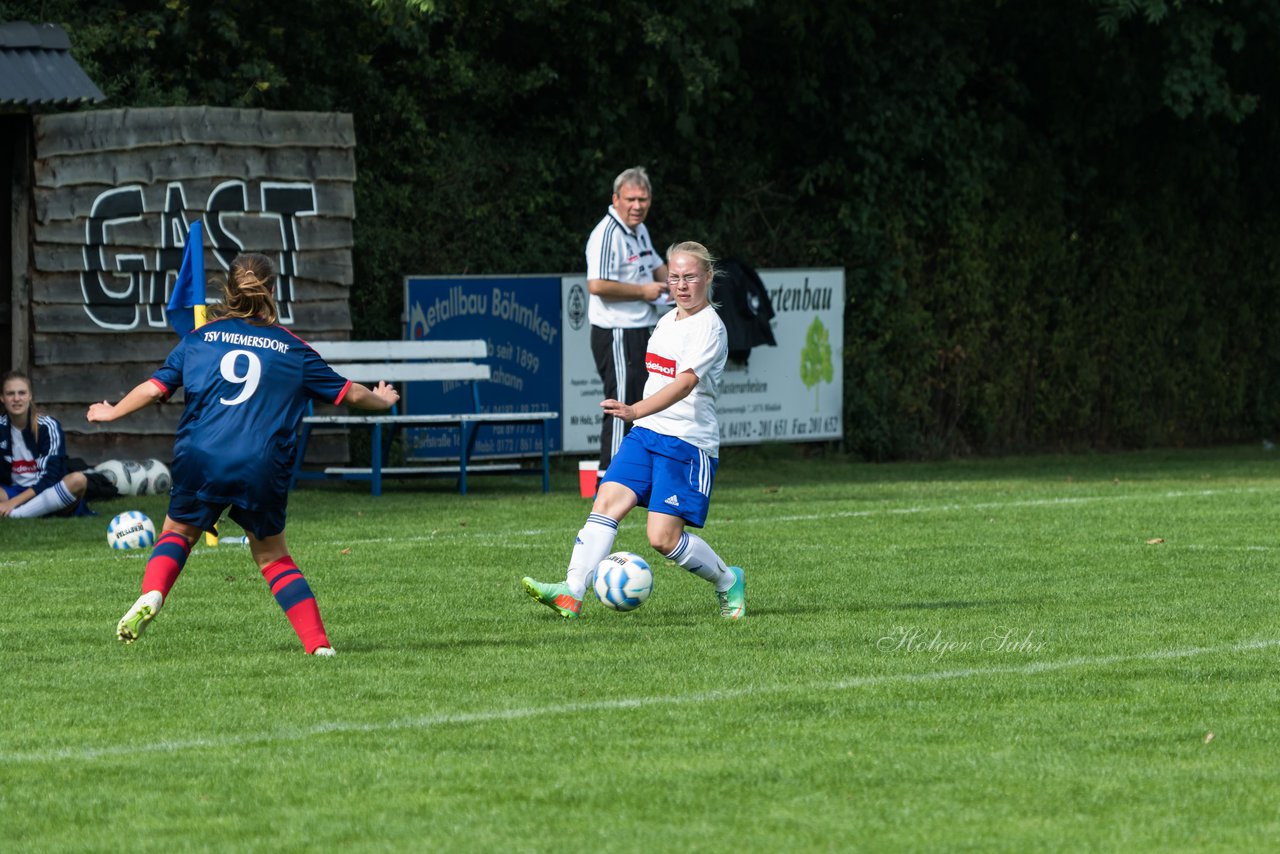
x=668 y=475
x=204 y=515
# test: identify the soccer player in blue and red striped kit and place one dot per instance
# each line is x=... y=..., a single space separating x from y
x=246 y=382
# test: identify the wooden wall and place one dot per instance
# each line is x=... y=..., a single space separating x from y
x=114 y=193
x=14 y=164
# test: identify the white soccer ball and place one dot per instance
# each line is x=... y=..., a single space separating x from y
x=128 y=476
x=623 y=581
x=131 y=530
x=155 y=478
x=137 y=480
x=120 y=477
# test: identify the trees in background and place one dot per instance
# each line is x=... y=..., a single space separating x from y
x=1056 y=219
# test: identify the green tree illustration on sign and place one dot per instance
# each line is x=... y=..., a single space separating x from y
x=815 y=359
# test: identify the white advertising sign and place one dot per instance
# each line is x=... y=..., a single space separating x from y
x=793 y=392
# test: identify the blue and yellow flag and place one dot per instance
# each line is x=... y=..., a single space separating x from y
x=186 y=305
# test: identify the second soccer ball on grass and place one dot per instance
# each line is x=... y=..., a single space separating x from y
x=154 y=479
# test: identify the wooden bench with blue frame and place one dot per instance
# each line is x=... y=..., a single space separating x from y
x=398 y=362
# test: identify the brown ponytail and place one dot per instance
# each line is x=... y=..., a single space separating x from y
x=249 y=291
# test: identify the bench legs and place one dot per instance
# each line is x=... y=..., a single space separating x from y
x=546 y=460
x=375 y=462
x=467 y=438
x=468 y=432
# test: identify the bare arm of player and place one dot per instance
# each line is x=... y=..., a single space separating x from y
x=143 y=395
x=608 y=289
x=362 y=397
x=675 y=391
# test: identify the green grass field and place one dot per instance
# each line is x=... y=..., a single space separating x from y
x=983 y=655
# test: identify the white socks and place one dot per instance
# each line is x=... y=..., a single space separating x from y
x=52 y=500
x=593 y=543
x=595 y=540
x=693 y=553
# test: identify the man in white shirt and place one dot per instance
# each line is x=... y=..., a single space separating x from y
x=626 y=278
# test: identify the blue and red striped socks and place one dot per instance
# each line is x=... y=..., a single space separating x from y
x=166 y=561
x=291 y=590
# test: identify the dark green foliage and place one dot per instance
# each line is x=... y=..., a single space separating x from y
x=1056 y=218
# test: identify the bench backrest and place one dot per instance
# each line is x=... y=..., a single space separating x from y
x=405 y=361
x=377 y=351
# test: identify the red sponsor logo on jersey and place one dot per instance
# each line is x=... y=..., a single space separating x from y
x=633 y=259
x=659 y=365
x=25 y=467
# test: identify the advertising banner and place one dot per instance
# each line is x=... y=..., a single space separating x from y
x=793 y=392
x=540 y=354
x=519 y=318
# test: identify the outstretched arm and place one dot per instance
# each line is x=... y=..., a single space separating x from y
x=675 y=391
x=620 y=291
x=362 y=397
x=143 y=395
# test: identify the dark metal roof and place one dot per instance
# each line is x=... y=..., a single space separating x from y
x=36 y=68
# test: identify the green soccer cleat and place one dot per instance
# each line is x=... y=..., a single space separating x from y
x=136 y=618
x=733 y=602
x=555 y=596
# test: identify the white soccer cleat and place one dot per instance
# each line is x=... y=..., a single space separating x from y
x=326 y=651
x=130 y=627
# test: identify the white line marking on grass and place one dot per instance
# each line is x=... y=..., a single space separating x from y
x=504 y=536
x=1000 y=505
x=425 y=722
x=1210 y=548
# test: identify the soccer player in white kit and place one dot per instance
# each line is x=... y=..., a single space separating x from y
x=668 y=460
